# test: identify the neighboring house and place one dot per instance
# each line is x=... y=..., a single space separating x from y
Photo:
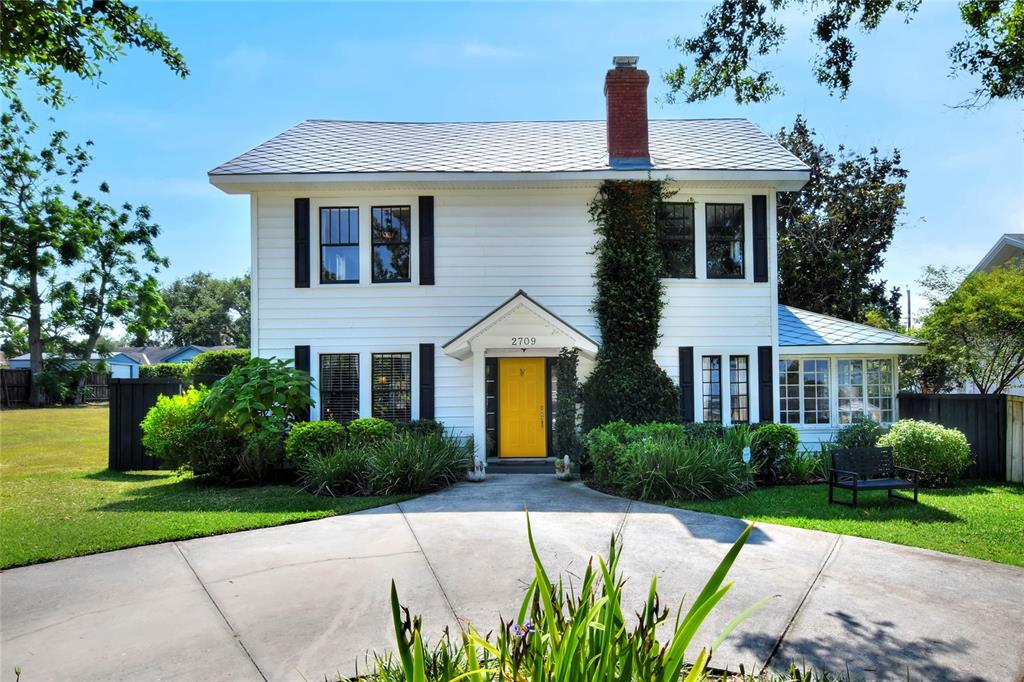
x=436 y=269
x=1008 y=249
x=154 y=355
x=121 y=365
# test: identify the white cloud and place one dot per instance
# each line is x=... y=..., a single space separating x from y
x=246 y=61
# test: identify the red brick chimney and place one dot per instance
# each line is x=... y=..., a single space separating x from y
x=625 y=91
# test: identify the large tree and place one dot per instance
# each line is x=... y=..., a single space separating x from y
x=738 y=34
x=977 y=333
x=207 y=311
x=42 y=40
x=834 y=232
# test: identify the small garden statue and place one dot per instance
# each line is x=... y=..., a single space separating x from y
x=563 y=469
x=478 y=472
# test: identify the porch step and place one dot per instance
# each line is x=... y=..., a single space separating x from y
x=539 y=465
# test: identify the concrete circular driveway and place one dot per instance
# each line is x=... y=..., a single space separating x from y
x=307 y=600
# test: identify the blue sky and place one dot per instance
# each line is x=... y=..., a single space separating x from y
x=258 y=68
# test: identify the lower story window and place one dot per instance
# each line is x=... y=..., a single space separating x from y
x=712 y=381
x=739 y=391
x=803 y=391
x=865 y=390
x=339 y=386
x=392 y=386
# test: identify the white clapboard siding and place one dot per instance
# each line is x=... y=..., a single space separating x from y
x=488 y=244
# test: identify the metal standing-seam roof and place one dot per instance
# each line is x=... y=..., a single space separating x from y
x=319 y=146
x=799 y=327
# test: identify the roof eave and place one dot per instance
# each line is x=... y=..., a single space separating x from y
x=856 y=349
x=246 y=183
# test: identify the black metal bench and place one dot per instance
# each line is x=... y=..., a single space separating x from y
x=859 y=469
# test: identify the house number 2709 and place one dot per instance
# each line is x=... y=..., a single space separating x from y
x=524 y=340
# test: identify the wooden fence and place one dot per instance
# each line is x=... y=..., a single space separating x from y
x=130 y=399
x=14 y=386
x=993 y=424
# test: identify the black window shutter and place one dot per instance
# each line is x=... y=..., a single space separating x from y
x=302 y=244
x=765 y=392
x=426 y=381
x=686 y=383
x=302 y=362
x=426 y=240
x=760 y=206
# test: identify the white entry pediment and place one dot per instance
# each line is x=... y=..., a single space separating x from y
x=519 y=323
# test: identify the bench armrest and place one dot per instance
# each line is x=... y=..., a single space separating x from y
x=833 y=472
x=909 y=470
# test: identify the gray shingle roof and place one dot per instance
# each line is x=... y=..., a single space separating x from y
x=803 y=328
x=505 y=147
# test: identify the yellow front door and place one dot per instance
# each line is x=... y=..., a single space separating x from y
x=522 y=407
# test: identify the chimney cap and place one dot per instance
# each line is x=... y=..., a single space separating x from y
x=625 y=62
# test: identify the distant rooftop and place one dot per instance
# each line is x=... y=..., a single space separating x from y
x=318 y=146
x=799 y=327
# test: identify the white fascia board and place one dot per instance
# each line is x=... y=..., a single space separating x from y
x=855 y=349
x=782 y=180
x=995 y=253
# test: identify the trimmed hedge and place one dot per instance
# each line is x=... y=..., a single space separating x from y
x=212 y=365
x=170 y=370
x=310 y=439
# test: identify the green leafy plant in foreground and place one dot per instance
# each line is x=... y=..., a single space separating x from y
x=563 y=635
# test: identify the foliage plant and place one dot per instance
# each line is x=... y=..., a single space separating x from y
x=212 y=365
x=168 y=370
x=341 y=471
x=738 y=34
x=213 y=448
x=165 y=430
x=978 y=331
x=264 y=394
x=370 y=430
x=834 y=232
x=261 y=456
x=313 y=439
x=941 y=454
x=770 y=445
x=412 y=463
x=564 y=632
x=419 y=427
x=566 y=437
x=662 y=461
x=626 y=382
x=863 y=433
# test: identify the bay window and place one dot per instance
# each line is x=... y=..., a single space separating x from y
x=804 y=391
x=865 y=390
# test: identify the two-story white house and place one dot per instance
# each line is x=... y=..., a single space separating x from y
x=434 y=270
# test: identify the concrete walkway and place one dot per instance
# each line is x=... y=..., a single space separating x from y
x=308 y=600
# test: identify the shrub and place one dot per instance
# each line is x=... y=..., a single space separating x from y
x=210 y=366
x=262 y=454
x=339 y=472
x=260 y=395
x=165 y=427
x=415 y=464
x=860 y=434
x=704 y=430
x=664 y=460
x=214 y=447
x=369 y=430
x=941 y=454
x=308 y=439
x=636 y=391
x=170 y=370
x=803 y=467
x=570 y=630
x=769 y=445
x=419 y=427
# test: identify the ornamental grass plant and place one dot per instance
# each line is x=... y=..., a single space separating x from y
x=569 y=635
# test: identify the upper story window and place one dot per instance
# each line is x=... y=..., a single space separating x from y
x=392 y=386
x=339 y=386
x=675 y=236
x=724 y=238
x=391 y=237
x=339 y=245
x=865 y=390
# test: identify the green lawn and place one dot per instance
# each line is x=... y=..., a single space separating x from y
x=57 y=498
x=983 y=520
